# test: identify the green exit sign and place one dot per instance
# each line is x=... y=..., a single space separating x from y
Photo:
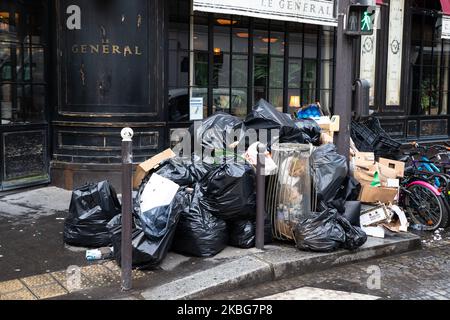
x=360 y=20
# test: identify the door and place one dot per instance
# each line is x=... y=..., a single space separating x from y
x=23 y=94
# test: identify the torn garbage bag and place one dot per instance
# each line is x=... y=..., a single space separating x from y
x=199 y=233
x=326 y=232
x=329 y=170
x=218 y=131
x=265 y=116
x=228 y=192
x=91 y=208
x=152 y=235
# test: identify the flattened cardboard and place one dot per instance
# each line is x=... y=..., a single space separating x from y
x=370 y=194
x=143 y=168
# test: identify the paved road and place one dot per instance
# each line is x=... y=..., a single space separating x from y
x=421 y=274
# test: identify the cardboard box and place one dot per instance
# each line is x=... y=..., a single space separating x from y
x=370 y=194
x=329 y=124
x=143 y=168
x=365 y=156
x=397 y=166
x=374 y=216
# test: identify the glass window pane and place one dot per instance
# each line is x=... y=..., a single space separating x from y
x=310 y=46
x=201 y=37
x=308 y=95
x=259 y=93
x=276 y=72
x=6 y=105
x=309 y=73
x=221 y=100
x=295 y=45
x=6 y=67
x=178 y=103
x=240 y=40
x=4 y=21
x=35 y=111
x=276 y=42
x=261 y=42
x=178 y=69
x=261 y=70
x=221 y=74
x=178 y=36
x=295 y=73
x=201 y=68
x=276 y=98
x=38 y=64
x=239 y=102
x=221 y=39
x=239 y=73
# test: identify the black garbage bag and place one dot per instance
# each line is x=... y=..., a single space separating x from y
x=348 y=191
x=243 y=233
x=228 y=192
x=354 y=236
x=321 y=232
x=329 y=171
x=353 y=212
x=216 y=129
x=328 y=231
x=265 y=116
x=310 y=129
x=177 y=170
x=153 y=233
x=199 y=233
x=91 y=208
x=160 y=221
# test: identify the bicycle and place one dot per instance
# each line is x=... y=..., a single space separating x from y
x=425 y=203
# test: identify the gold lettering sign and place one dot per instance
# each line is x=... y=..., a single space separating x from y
x=104 y=49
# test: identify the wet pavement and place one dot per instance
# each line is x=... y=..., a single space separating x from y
x=31 y=239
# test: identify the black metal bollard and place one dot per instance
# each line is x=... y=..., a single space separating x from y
x=260 y=196
x=127 y=202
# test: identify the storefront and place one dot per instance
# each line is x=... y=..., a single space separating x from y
x=73 y=73
x=408 y=62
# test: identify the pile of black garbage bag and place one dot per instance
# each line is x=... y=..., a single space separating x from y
x=221 y=129
x=215 y=205
x=336 y=223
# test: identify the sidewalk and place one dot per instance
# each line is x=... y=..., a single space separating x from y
x=33 y=259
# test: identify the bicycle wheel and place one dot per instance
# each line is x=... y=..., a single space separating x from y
x=425 y=207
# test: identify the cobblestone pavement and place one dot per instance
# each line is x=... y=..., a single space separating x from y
x=422 y=275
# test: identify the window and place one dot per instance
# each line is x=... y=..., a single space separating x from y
x=233 y=61
x=22 y=55
x=430 y=63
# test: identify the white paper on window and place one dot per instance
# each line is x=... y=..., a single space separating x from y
x=394 y=67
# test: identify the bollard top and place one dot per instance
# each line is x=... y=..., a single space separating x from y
x=127 y=134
